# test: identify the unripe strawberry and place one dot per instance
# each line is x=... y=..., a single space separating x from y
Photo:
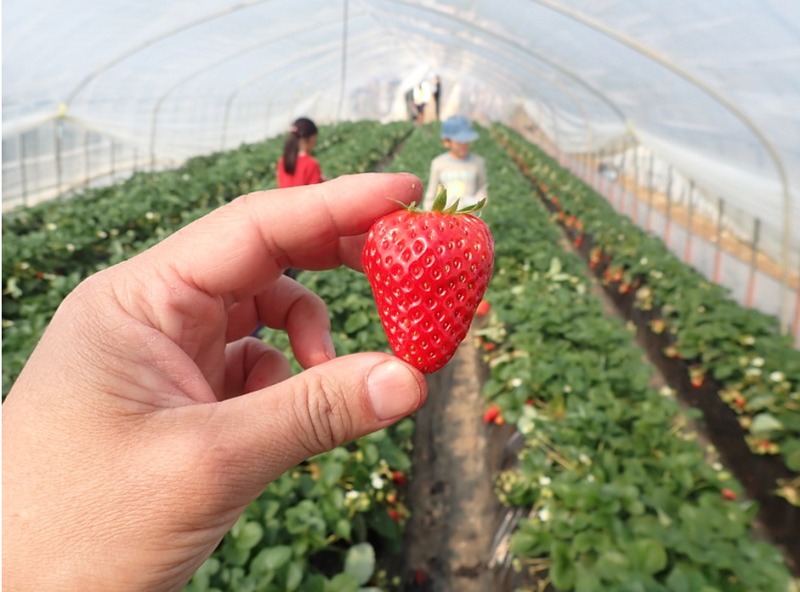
x=428 y=271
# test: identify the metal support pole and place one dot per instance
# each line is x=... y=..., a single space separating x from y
x=58 y=130
x=649 y=221
x=687 y=253
x=718 y=254
x=796 y=322
x=751 y=282
x=343 y=74
x=86 y=165
x=112 y=157
x=668 y=210
x=620 y=186
x=23 y=174
x=635 y=203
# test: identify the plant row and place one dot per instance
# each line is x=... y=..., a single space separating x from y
x=324 y=526
x=335 y=523
x=728 y=351
x=619 y=495
x=51 y=247
x=618 y=492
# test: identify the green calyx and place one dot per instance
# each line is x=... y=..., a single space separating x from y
x=440 y=203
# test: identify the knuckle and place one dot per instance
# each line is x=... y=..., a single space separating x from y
x=322 y=416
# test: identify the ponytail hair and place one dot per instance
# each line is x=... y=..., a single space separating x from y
x=301 y=129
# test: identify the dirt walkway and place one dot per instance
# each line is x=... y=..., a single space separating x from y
x=454 y=509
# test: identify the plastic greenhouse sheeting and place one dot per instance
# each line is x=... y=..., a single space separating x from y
x=712 y=87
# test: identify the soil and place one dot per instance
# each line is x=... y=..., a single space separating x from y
x=449 y=535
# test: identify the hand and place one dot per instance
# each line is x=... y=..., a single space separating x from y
x=145 y=421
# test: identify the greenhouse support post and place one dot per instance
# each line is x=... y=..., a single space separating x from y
x=796 y=322
x=112 y=157
x=636 y=185
x=687 y=252
x=649 y=222
x=57 y=129
x=668 y=207
x=751 y=282
x=343 y=75
x=87 y=173
x=23 y=176
x=718 y=251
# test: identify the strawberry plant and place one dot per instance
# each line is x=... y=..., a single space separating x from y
x=620 y=494
x=738 y=352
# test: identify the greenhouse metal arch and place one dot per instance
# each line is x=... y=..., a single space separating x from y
x=650 y=87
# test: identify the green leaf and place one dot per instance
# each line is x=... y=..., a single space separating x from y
x=294 y=576
x=271 y=559
x=360 y=562
x=562 y=573
x=764 y=423
x=440 y=200
x=357 y=320
x=649 y=555
x=331 y=473
x=343 y=582
x=249 y=535
x=343 y=528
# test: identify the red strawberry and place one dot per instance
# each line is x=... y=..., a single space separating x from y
x=483 y=308
x=428 y=271
x=491 y=414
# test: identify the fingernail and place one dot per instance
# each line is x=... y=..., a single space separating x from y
x=393 y=390
x=327 y=344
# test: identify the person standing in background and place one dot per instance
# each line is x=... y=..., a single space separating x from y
x=461 y=172
x=437 y=94
x=298 y=166
x=422 y=96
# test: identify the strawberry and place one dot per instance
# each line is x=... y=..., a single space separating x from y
x=483 y=308
x=491 y=414
x=428 y=271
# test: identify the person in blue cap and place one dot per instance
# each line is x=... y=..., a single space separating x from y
x=462 y=172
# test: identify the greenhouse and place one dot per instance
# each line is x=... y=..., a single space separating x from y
x=624 y=410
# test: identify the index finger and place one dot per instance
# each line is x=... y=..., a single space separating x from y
x=243 y=245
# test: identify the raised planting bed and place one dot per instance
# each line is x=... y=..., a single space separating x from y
x=718 y=357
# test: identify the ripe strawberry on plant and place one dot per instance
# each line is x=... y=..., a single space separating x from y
x=428 y=271
x=483 y=308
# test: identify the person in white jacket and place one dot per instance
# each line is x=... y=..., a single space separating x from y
x=459 y=170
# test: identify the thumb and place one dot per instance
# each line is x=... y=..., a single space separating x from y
x=271 y=430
